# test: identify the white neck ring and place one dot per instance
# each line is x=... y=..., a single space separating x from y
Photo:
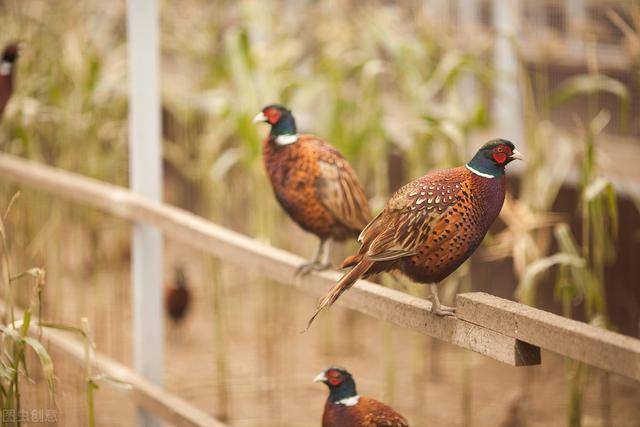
x=286 y=139
x=485 y=175
x=5 y=68
x=349 y=401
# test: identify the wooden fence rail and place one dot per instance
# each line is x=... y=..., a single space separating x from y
x=506 y=331
x=377 y=301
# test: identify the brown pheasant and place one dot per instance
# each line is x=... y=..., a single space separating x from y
x=433 y=224
x=178 y=296
x=345 y=408
x=313 y=183
x=7 y=64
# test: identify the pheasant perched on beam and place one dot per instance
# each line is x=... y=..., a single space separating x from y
x=433 y=224
x=7 y=64
x=313 y=183
x=345 y=408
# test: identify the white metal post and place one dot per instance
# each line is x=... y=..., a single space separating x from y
x=576 y=13
x=145 y=163
x=468 y=27
x=507 y=103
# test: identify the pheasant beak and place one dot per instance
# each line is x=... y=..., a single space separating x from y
x=320 y=378
x=259 y=118
x=516 y=155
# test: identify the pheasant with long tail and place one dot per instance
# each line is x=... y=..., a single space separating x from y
x=432 y=225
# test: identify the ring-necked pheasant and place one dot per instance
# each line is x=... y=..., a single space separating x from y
x=433 y=224
x=313 y=183
x=178 y=296
x=9 y=57
x=345 y=408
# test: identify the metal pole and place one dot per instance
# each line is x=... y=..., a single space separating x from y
x=145 y=172
x=468 y=27
x=507 y=103
x=576 y=13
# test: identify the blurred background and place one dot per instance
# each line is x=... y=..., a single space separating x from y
x=400 y=88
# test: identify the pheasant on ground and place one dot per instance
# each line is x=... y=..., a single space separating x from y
x=7 y=65
x=178 y=296
x=345 y=408
x=313 y=183
x=433 y=224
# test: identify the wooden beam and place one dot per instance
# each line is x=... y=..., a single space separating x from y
x=578 y=340
x=369 y=298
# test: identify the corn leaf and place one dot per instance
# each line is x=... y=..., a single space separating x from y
x=588 y=84
x=45 y=362
x=114 y=382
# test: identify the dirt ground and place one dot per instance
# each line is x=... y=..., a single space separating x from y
x=240 y=356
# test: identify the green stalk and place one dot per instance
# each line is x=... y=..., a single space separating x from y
x=220 y=356
x=90 y=385
x=420 y=403
x=576 y=372
x=467 y=370
x=8 y=280
x=389 y=362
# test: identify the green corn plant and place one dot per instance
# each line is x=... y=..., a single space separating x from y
x=15 y=339
x=220 y=356
x=527 y=238
x=599 y=226
x=92 y=381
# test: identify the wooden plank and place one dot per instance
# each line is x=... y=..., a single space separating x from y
x=413 y=313
x=578 y=340
x=369 y=298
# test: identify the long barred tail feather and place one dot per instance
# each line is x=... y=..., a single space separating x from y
x=343 y=284
x=350 y=261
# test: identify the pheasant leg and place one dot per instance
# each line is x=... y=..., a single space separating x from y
x=320 y=260
x=436 y=307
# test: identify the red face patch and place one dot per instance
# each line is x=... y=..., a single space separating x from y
x=334 y=377
x=499 y=157
x=273 y=115
x=500 y=153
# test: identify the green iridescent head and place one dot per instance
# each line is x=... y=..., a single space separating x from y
x=492 y=157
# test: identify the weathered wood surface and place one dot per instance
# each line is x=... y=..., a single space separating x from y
x=369 y=298
x=578 y=340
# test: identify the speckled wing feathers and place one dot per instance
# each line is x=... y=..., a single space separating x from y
x=317 y=187
x=428 y=229
x=411 y=215
x=367 y=413
x=340 y=191
x=377 y=414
